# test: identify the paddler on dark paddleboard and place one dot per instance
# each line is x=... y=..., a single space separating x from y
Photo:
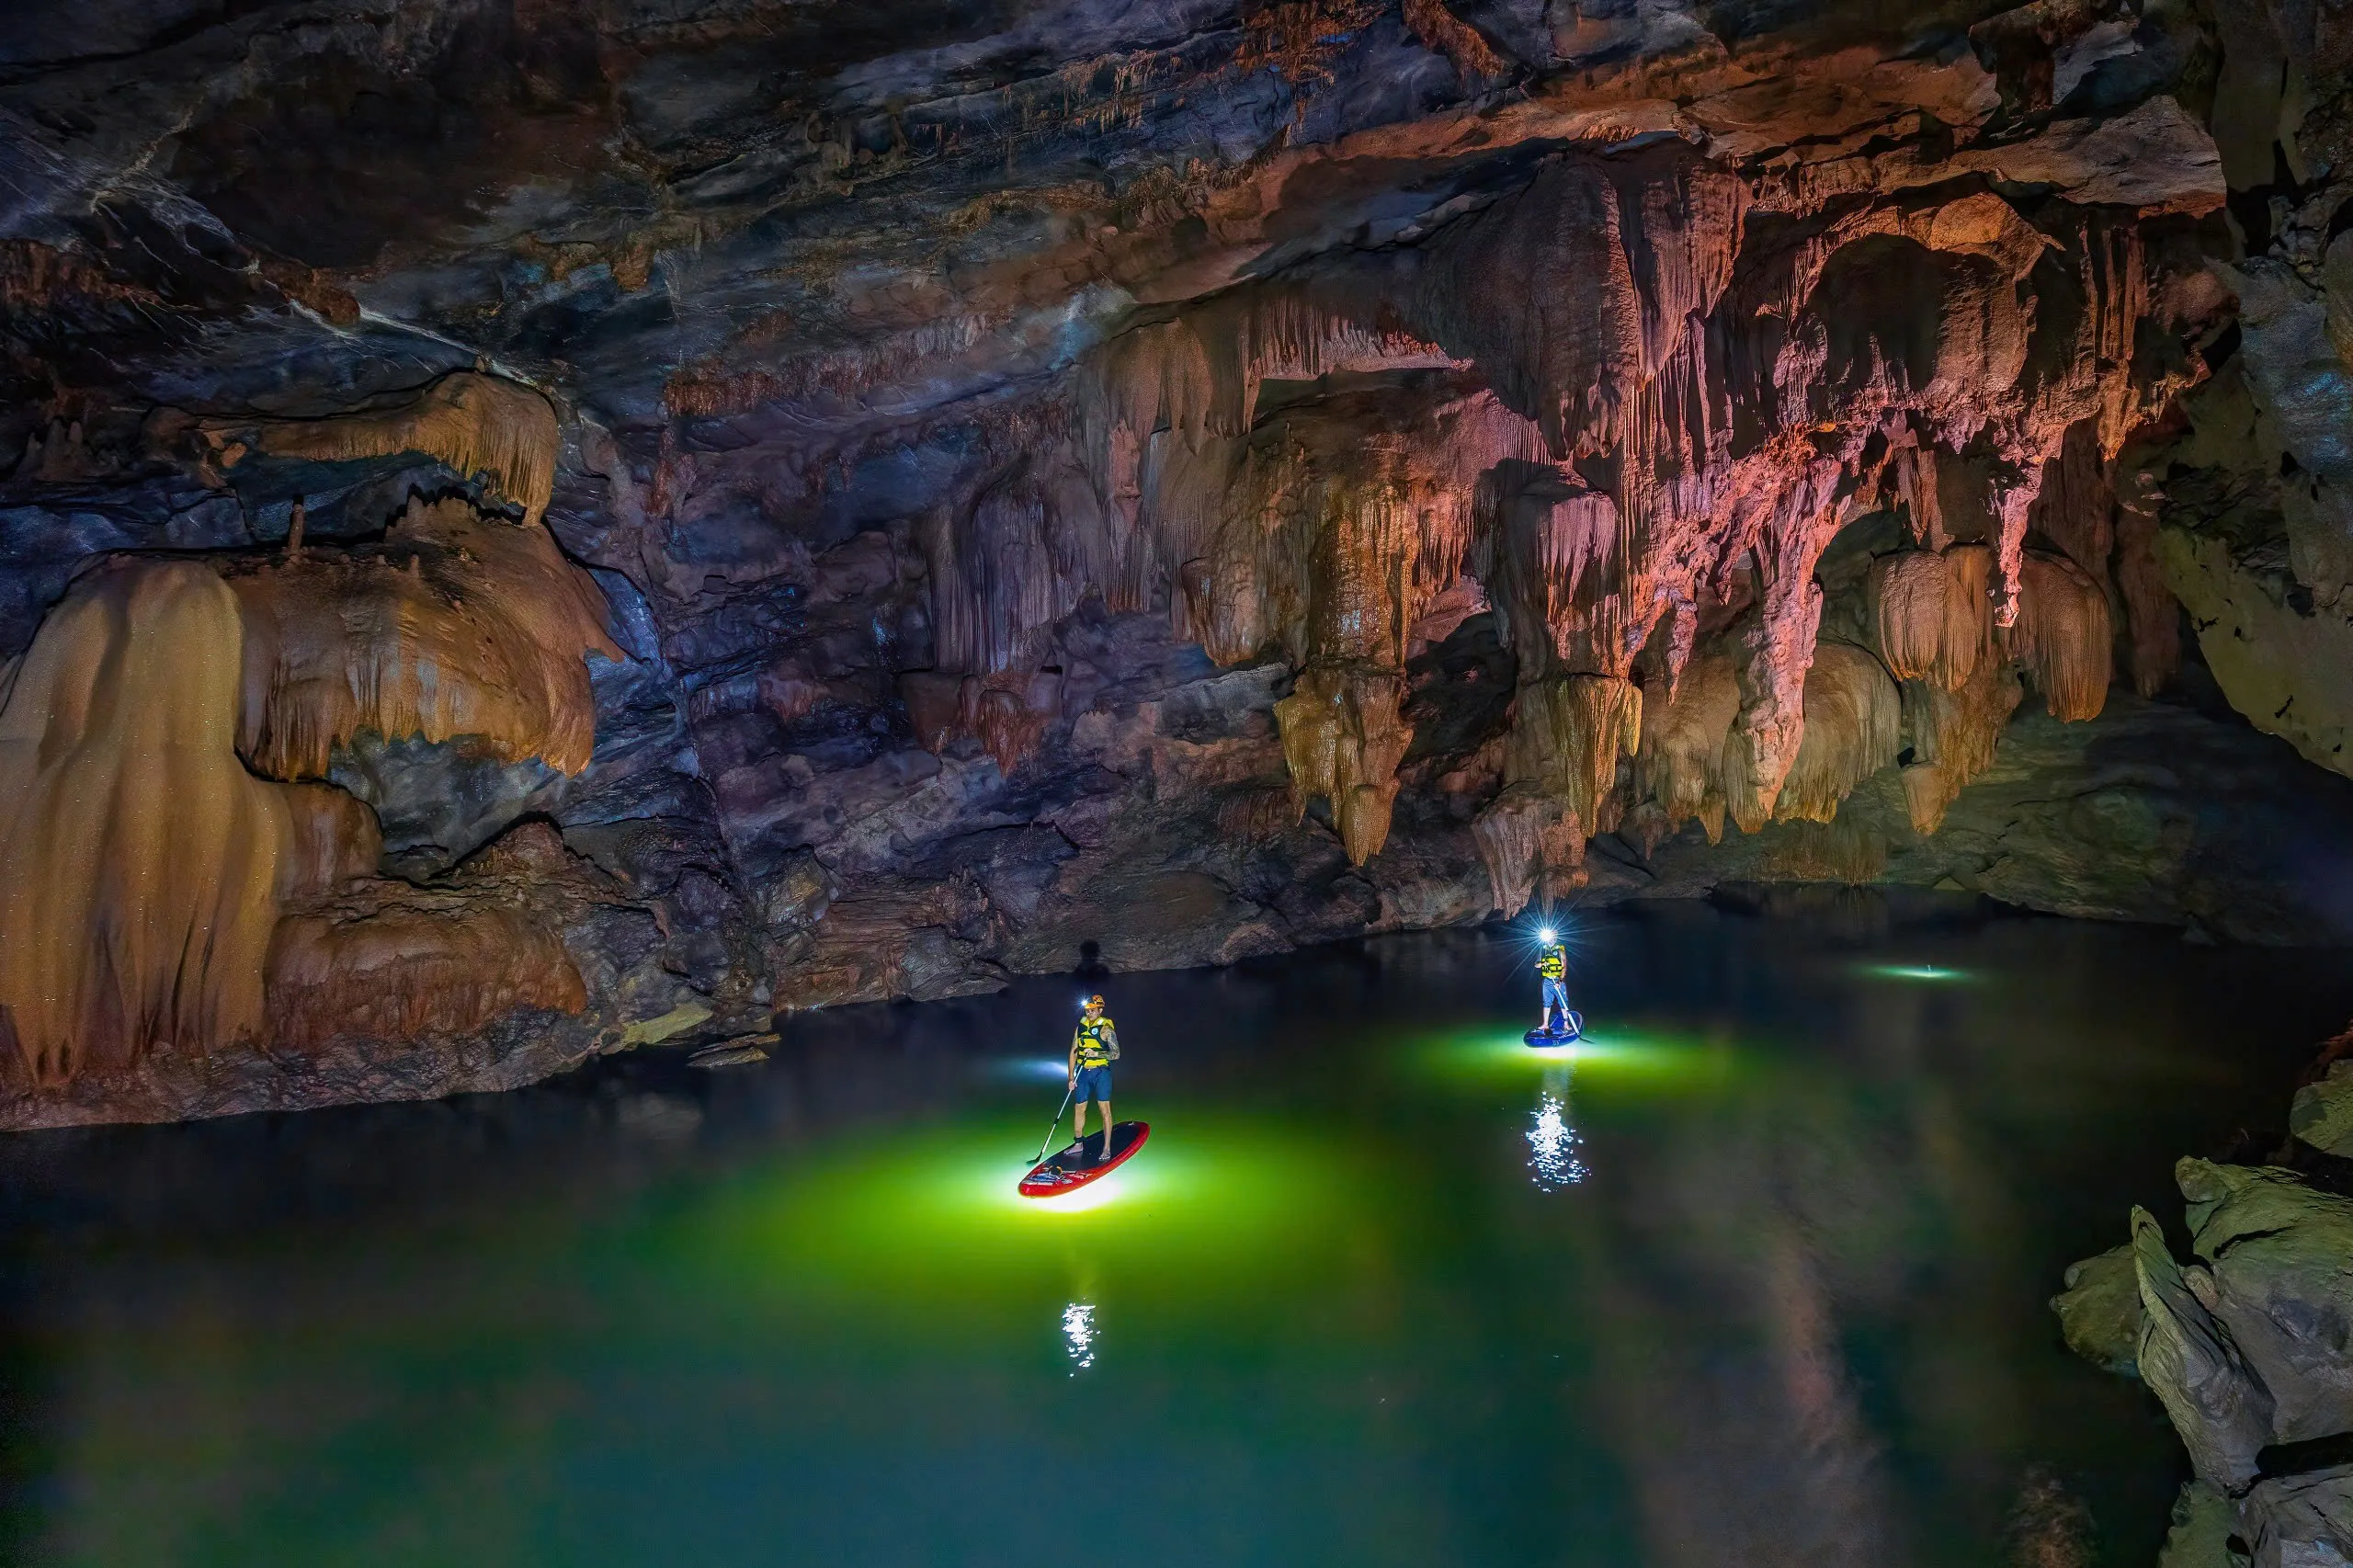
x=1552 y=968
x=1093 y=1048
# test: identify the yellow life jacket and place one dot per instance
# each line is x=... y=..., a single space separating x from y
x=1095 y=1042
x=1551 y=963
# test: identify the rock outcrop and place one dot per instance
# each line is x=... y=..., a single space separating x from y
x=2247 y=1348
x=731 y=511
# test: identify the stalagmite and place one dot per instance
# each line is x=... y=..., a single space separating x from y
x=141 y=867
x=1853 y=715
x=480 y=427
x=459 y=625
x=1343 y=737
x=2062 y=636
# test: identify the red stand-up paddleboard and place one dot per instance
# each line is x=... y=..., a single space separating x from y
x=1083 y=1162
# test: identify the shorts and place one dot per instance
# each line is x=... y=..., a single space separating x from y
x=1556 y=991
x=1093 y=1083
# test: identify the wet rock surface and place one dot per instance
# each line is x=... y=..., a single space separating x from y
x=733 y=510
x=2249 y=1349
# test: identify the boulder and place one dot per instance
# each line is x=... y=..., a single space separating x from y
x=2300 y=1522
x=799 y=893
x=2322 y=1114
x=2282 y=1277
x=2100 y=1312
x=2203 y=1524
x=2190 y=1361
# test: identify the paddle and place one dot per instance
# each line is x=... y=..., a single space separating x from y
x=1057 y=1121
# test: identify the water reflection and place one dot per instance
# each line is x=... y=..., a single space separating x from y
x=1791 y=1315
x=1555 y=1151
x=1078 y=1334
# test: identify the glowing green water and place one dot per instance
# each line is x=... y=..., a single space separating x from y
x=1754 y=1274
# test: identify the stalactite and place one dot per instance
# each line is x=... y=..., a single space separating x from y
x=1826 y=852
x=1529 y=842
x=998 y=584
x=141 y=867
x=1009 y=715
x=2152 y=614
x=457 y=625
x=1776 y=639
x=1344 y=735
x=1933 y=618
x=1890 y=344
x=1680 y=765
x=1853 y=717
x=1954 y=731
x=2077 y=507
x=1917 y=483
x=1608 y=264
x=2062 y=636
x=1566 y=736
x=478 y=426
x=1441 y=30
x=1561 y=586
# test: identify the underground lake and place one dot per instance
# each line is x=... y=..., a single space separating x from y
x=1756 y=1274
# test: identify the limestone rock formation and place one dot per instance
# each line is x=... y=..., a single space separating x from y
x=2101 y=1312
x=2323 y=1113
x=735 y=510
x=2248 y=1351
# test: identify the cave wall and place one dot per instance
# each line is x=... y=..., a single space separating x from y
x=540 y=530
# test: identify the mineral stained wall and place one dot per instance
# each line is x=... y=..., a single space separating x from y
x=539 y=529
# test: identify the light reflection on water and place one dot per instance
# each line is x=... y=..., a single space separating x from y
x=1040 y=1069
x=654 y=1316
x=1078 y=1334
x=1553 y=1158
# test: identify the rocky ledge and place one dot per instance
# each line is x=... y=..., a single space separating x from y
x=2249 y=1347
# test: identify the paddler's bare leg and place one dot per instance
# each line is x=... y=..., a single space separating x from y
x=1078 y=1125
x=1106 y=1107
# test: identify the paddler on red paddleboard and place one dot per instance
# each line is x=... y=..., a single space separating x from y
x=1094 y=1046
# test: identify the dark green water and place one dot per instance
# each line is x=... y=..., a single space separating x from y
x=1756 y=1278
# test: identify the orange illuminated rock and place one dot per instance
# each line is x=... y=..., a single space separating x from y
x=456 y=624
x=141 y=867
x=1343 y=738
x=477 y=425
x=1853 y=715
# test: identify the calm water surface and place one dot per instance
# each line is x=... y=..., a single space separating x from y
x=1756 y=1277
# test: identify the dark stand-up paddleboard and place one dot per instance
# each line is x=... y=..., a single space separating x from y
x=1082 y=1161
x=1563 y=1028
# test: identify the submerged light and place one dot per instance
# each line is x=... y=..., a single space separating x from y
x=1916 y=971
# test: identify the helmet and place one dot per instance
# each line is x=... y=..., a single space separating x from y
x=1096 y=1000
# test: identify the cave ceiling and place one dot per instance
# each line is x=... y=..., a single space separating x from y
x=279 y=207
